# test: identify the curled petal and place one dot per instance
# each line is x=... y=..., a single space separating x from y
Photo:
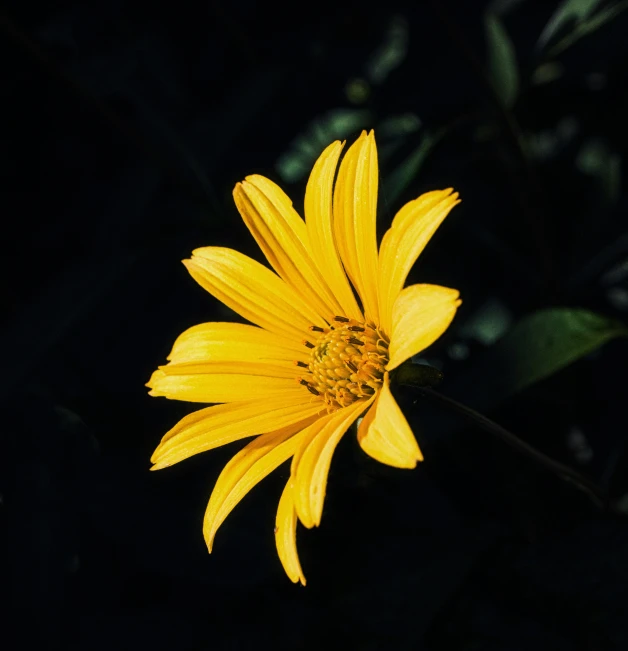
x=385 y=435
x=286 y=535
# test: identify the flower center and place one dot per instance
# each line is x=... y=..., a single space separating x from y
x=347 y=362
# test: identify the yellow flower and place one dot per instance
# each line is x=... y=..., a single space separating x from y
x=317 y=358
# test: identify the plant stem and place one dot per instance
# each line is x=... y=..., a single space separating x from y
x=597 y=494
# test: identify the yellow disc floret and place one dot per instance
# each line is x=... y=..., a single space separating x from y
x=347 y=362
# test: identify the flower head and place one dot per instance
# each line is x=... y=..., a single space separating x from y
x=331 y=322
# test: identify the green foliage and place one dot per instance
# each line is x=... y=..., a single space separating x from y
x=585 y=20
x=406 y=172
x=547 y=341
x=337 y=124
x=597 y=160
x=568 y=11
x=501 y=60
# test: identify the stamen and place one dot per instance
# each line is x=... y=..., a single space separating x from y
x=347 y=362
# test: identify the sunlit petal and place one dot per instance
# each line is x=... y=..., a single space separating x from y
x=246 y=469
x=411 y=230
x=420 y=316
x=311 y=467
x=235 y=342
x=253 y=291
x=218 y=425
x=286 y=535
x=282 y=236
x=385 y=435
x=355 y=211
x=319 y=220
x=221 y=381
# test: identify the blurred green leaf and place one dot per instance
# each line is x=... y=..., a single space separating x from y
x=405 y=173
x=547 y=72
x=597 y=160
x=585 y=24
x=392 y=52
x=501 y=60
x=357 y=90
x=545 y=342
x=398 y=126
x=568 y=11
x=337 y=124
x=488 y=323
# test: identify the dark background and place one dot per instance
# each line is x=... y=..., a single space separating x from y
x=126 y=126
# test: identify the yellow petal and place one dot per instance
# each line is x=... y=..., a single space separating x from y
x=355 y=212
x=222 y=342
x=311 y=464
x=420 y=316
x=254 y=462
x=281 y=235
x=286 y=535
x=221 y=382
x=385 y=435
x=411 y=230
x=253 y=291
x=218 y=425
x=319 y=221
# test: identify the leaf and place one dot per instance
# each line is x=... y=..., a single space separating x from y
x=336 y=124
x=568 y=11
x=597 y=160
x=545 y=342
x=536 y=347
x=588 y=26
x=403 y=175
x=501 y=60
x=392 y=52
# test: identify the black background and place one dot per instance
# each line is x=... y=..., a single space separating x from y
x=126 y=125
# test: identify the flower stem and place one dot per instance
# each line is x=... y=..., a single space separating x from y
x=596 y=493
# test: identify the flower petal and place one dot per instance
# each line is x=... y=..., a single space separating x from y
x=319 y=221
x=420 y=316
x=281 y=234
x=411 y=230
x=311 y=463
x=221 y=382
x=226 y=342
x=253 y=291
x=218 y=425
x=254 y=462
x=286 y=535
x=385 y=435
x=355 y=212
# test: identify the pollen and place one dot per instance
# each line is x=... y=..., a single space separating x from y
x=347 y=362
